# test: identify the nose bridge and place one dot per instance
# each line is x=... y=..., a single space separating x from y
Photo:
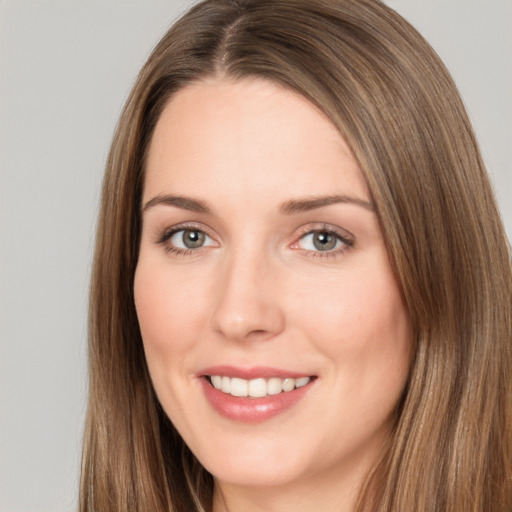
x=246 y=305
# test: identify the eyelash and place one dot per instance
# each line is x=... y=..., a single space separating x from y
x=169 y=233
x=344 y=237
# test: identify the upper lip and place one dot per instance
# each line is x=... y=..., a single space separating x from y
x=253 y=372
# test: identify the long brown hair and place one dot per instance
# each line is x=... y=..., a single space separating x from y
x=395 y=104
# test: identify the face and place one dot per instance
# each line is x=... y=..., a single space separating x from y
x=274 y=329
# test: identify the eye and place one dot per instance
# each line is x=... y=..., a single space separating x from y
x=325 y=241
x=184 y=240
x=189 y=239
x=320 y=241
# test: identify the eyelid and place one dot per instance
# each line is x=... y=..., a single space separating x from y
x=347 y=238
x=174 y=239
x=166 y=234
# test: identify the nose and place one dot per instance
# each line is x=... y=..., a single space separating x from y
x=248 y=304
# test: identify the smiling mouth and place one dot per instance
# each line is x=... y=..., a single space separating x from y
x=256 y=388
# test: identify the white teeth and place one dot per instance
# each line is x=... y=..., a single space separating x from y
x=301 y=382
x=217 y=381
x=226 y=385
x=288 y=384
x=256 y=388
x=239 y=387
x=274 y=386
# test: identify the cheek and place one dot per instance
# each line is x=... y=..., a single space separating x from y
x=360 y=323
x=167 y=310
x=355 y=306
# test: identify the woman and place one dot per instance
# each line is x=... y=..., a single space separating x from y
x=301 y=294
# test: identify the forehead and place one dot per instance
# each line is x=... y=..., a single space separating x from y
x=250 y=136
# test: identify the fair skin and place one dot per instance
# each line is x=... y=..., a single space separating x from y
x=261 y=253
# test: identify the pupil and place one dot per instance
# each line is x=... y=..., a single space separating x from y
x=193 y=239
x=324 y=241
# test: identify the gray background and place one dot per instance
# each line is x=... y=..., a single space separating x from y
x=65 y=69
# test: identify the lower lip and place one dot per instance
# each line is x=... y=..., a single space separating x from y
x=252 y=410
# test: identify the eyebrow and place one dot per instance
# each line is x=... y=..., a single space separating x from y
x=288 y=208
x=307 y=204
x=185 y=203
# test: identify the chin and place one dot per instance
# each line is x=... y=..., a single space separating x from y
x=259 y=463
x=259 y=476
